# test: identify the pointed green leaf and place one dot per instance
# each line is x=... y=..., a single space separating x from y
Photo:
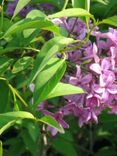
x=52 y=122
x=62 y=89
x=6 y=126
x=16 y=115
x=49 y=49
x=48 y=79
x=110 y=21
x=72 y=12
x=20 y=5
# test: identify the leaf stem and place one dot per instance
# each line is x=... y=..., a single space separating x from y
x=14 y=91
x=2 y=15
x=65 y=4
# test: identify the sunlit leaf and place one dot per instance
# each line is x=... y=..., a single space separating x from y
x=62 y=89
x=52 y=122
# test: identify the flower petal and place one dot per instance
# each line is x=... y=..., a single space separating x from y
x=113 y=89
x=96 y=68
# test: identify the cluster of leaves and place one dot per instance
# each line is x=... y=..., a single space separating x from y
x=28 y=49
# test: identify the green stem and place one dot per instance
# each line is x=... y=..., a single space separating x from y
x=91 y=139
x=2 y=15
x=65 y=4
x=17 y=94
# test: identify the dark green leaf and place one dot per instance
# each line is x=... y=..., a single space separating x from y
x=64 y=146
x=4 y=96
x=110 y=21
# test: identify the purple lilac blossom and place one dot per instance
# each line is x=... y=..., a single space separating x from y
x=98 y=76
x=96 y=73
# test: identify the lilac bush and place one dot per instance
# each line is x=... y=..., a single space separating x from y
x=58 y=64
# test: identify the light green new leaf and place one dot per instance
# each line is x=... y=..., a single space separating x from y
x=62 y=89
x=52 y=122
x=72 y=12
x=32 y=15
x=20 y=5
x=16 y=115
x=6 y=126
x=35 y=13
x=48 y=79
x=8 y=119
x=110 y=21
x=1 y=149
x=49 y=49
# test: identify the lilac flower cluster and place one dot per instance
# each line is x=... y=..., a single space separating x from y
x=95 y=71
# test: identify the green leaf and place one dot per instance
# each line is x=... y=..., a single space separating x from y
x=35 y=13
x=48 y=79
x=22 y=64
x=20 y=5
x=4 y=96
x=32 y=128
x=62 y=89
x=4 y=64
x=31 y=23
x=64 y=146
x=32 y=15
x=110 y=21
x=16 y=115
x=52 y=122
x=72 y=12
x=29 y=143
x=49 y=49
x=1 y=149
x=6 y=126
x=14 y=145
x=78 y=3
